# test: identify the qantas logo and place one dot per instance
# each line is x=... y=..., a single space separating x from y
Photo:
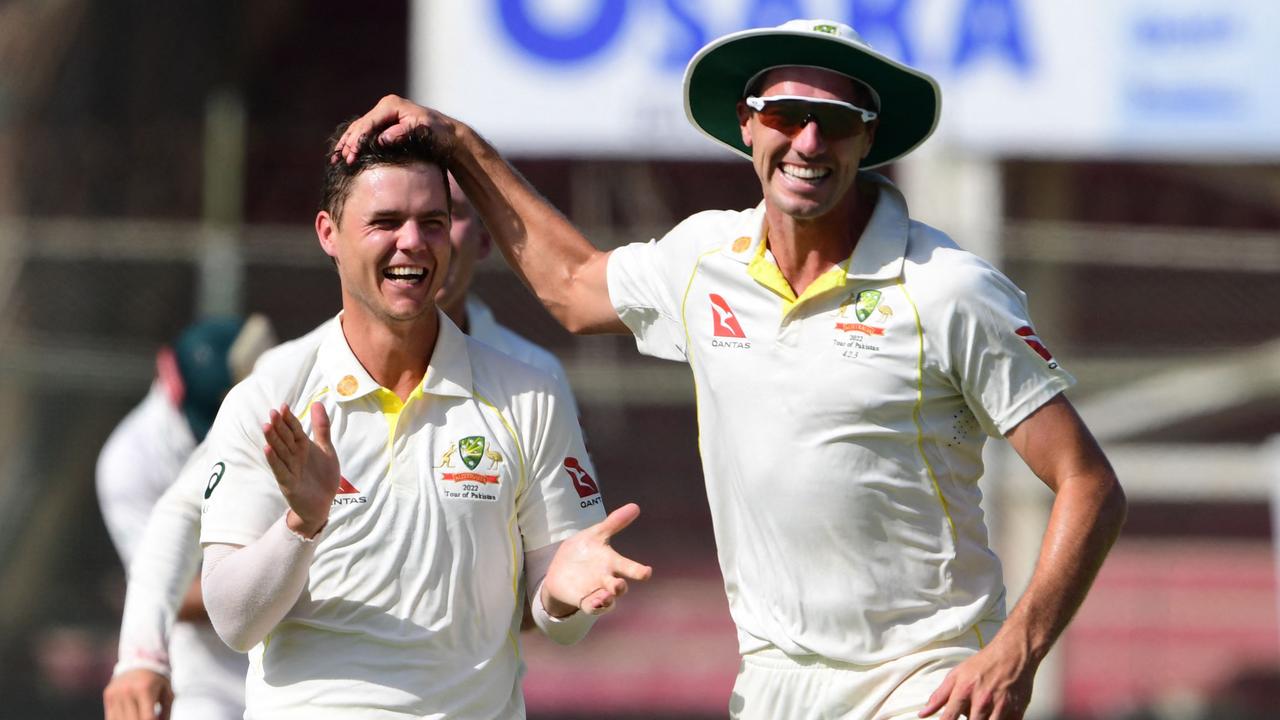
x=725 y=326
x=1028 y=335
x=348 y=494
x=724 y=323
x=582 y=482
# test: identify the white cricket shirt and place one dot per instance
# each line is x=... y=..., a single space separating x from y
x=413 y=602
x=141 y=459
x=841 y=432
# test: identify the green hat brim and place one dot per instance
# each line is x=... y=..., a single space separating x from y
x=910 y=100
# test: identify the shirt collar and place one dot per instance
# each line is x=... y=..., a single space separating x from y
x=882 y=249
x=749 y=235
x=880 y=252
x=343 y=373
x=448 y=371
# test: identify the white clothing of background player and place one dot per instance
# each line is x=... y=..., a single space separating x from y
x=154 y=443
x=140 y=460
x=845 y=357
x=380 y=569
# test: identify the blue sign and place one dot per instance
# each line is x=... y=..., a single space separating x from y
x=984 y=29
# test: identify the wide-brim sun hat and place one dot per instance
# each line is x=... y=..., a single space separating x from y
x=717 y=76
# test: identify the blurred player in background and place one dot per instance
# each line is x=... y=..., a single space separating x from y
x=167 y=559
x=140 y=461
x=471 y=244
x=383 y=569
x=849 y=363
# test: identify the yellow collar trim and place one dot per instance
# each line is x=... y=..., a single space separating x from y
x=766 y=272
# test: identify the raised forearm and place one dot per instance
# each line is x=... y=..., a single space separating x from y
x=559 y=264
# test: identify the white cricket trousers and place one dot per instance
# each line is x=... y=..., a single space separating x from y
x=772 y=685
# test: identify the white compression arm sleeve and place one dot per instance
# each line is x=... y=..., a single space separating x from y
x=562 y=631
x=164 y=565
x=249 y=589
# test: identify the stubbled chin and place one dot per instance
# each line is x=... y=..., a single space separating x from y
x=801 y=207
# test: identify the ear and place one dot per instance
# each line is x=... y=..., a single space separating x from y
x=744 y=117
x=170 y=376
x=326 y=232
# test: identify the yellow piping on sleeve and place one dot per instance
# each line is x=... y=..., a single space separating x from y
x=917 y=408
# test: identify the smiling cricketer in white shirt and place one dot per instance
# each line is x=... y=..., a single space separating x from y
x=376 y=569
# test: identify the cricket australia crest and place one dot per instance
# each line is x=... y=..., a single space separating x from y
x=864 y=303
x=859 y=335
x=471 y=450
x=471 y=485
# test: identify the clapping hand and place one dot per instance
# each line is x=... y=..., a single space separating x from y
x=306 y=470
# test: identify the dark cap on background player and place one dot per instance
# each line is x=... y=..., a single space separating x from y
x=208 y=358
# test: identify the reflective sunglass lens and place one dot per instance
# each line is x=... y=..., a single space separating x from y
x=790 y=117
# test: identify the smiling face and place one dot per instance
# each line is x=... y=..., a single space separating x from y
x=807 y=175
x=390 y=241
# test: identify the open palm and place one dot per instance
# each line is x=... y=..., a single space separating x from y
x=306 y=470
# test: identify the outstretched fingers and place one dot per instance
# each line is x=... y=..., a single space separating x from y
x=616 y=522
x=613 y=584
x=598 y=602
x=625 y=567
x=620 y=567
x=939 y=698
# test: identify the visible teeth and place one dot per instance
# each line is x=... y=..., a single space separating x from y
x=806 y=173
x=407 y=273
x=410 y=274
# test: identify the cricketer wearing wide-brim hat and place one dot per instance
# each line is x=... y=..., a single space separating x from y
x=909 y=101
x=849 y=364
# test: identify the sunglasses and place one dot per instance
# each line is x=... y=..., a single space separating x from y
x=789 y=114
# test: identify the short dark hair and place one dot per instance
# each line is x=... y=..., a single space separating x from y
x=417 y=146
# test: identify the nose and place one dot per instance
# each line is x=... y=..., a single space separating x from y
x=411 y=236
x=809 y=141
